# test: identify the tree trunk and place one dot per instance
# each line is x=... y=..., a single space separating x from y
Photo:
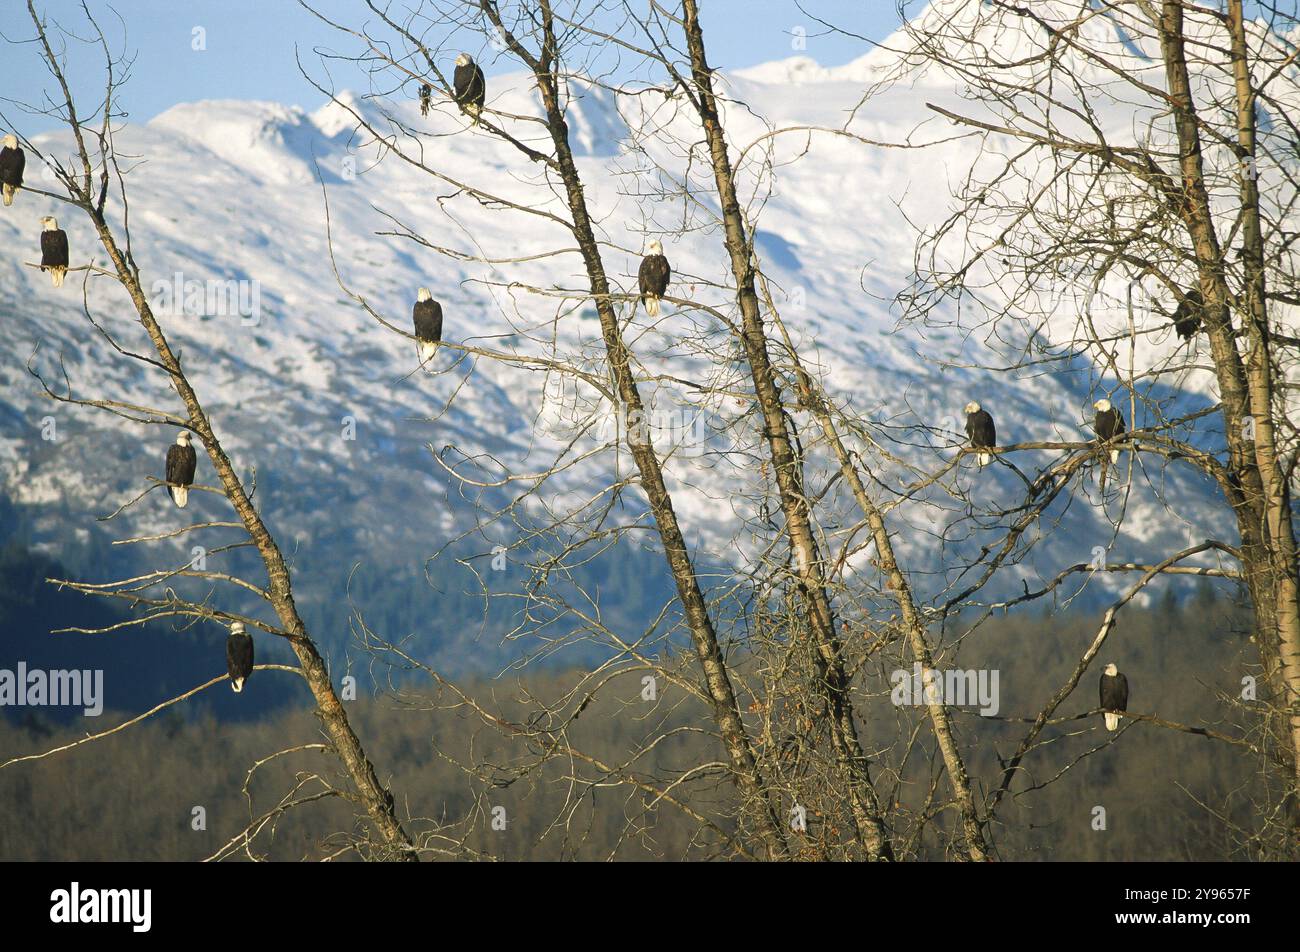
x=369 y=792
x=726 y=710
x=1246 y=388
x=811 y=397
x=788 y=469
x=1259 y=367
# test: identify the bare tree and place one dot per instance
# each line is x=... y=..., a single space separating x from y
x=537 y=47
x=1137 y=176
x=94 y=184
x=407 y=52
x=792 y=624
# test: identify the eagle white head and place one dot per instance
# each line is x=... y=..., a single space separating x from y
x=656 y=247
x=11 y=141
x=50 y=222
x=464 y=59
x=1102 y=405
x=972 y=407
x=238 y=629
x=423 y=295
x=183 y=439
x=1112 y=670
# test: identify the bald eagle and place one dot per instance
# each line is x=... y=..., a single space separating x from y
x=181 y=460
x=1187 y=317
x=12 y=162
x=239 y=656
x=653 y=277
x=1114 y=695
x=427 y=316
x=1108 y=424
x=981 y=431
x=470 y=87
x=54 y=250
x=426 y=96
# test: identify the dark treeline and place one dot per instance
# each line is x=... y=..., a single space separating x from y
x=133 y=795
x=398 y=593
x=141 y=666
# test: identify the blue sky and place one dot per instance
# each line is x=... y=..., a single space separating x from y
x=250 y=45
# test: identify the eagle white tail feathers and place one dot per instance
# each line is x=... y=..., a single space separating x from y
x=181 y=496
x=985 y=459
x=426 y=351
x=236 y=684
x=1114 y=456
x=57 y=275
x=1112 y=722
x=652 y=305
x=9 y=194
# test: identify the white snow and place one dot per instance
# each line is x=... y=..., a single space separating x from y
x=235 y=191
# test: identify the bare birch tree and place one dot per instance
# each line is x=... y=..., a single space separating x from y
x=94 y=184
x=1121 y=161
x=791 y=628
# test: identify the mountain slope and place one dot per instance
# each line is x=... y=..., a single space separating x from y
x=343 y=430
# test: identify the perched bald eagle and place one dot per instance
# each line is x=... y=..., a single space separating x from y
x=426 y=97
x=54 y=250
x=1108 y=424
x=470 y=87
x=181 y=460
x=1114 y=695
x=653 y=277
x=981 y=431
x=1187 y=317
x=12 y=162
x=239 y=656
x=427 y=316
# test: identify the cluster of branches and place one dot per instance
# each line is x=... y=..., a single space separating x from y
x=791 y=649
x=92 y=176
x=1141 y=157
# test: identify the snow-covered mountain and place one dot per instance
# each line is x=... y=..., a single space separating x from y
x=329 y=406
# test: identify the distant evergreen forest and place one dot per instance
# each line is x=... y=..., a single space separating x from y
x=133 y=795
x=441 y=611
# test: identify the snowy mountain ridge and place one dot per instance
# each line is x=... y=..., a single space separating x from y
x=228 y=213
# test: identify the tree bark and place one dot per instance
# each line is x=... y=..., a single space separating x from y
x=851 y=760
x=1263 y=511
x=1260 y=369
x=370 y=793
x=726 y=710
